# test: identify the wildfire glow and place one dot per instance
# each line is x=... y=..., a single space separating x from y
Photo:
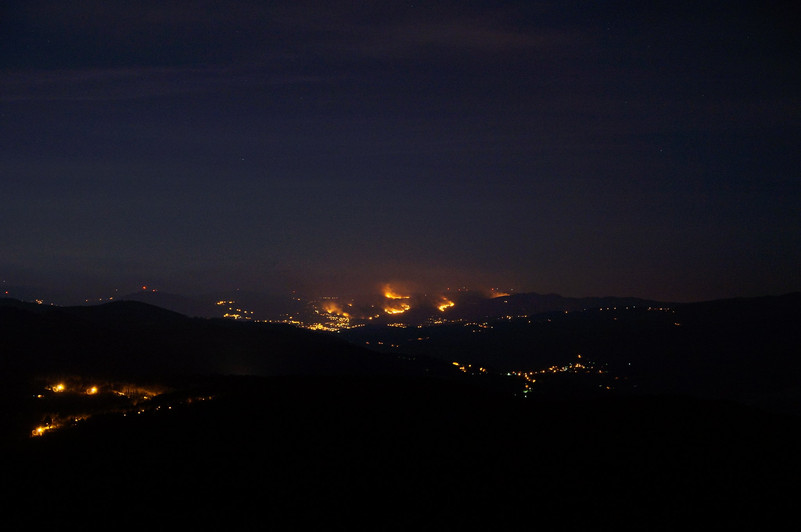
x=445 y=304
x=496 y=293
x=335 y=308
x=391 y=293
x=396 y=308
x=40 y=430
x=396 y=303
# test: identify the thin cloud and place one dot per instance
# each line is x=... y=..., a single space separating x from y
x=125 y=83
x=475 y=36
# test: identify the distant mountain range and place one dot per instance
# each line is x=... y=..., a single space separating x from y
x=467 y=305
x=745 y=349
x=475 y=307
x=127 y=338
x=470 y=305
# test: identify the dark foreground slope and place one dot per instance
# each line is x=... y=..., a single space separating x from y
x=138 y=347
x=343 y=437
x=409 y=453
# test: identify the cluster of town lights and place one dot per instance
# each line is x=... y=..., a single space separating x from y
x=134 y=393
x=576 y=367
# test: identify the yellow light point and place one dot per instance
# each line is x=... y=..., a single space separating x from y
x=59 y=387
x=92 y=390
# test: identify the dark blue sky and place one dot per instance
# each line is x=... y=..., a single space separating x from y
x=587 y=148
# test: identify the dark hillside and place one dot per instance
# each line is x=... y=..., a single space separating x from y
x=125 y=339
x=739 y=349
x=316 y=430
x=400 y=454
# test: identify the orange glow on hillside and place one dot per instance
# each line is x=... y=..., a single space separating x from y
x=391 y=293
x=335 y=308
x=40 y=430
x=445 y=304
x=395 y=305
x=396 y=308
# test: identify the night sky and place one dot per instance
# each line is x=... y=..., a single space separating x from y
x=644 y=149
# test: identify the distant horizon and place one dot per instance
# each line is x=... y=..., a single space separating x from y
x=64 y=296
